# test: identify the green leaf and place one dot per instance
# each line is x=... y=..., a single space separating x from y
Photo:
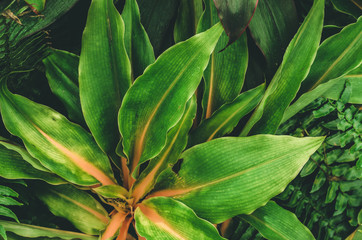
x=31 y=231
x=185 y=26
x=349 y=7
x=276 y=223
x=112 y=191
x=227 y=117
x=176 y=142
x=61 y=69
x=13 y=166
x=157 y=99
x=104 y=72
x=165 y=218
x=224 y=76
x=6 y=191
x=272 y=27
x=61 y=146
x=235 y=16
x=230 y=176
x=36 y=5
x=3 y=232
x=6 y=212
x=297 y=60
x=80 y=208
x=137 y=43
x=356 y=86
x=336 y=56
x=8 y=201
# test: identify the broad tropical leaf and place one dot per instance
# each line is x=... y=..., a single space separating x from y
x=31 y=231
x=138 y=46
x=235 y=16
x=276 y=223
x=157 y=99
x=273 y=26
x=176 y=142
x=224 y=76
x=245 y=170
x=36 y=5
x=336 y=56
x=297 y=61
x=61 y=69
x=80 y=208
x=227 y=117
x=165 y=218
x=61 y=146
x=104 y=72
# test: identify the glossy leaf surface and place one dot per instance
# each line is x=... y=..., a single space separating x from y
x=175 y=144
x=104 y=72
x=224 y=76
x=61 y=69
x=157 y=99
x=276 y=223
x=80 y=208
x=245 y=170
x=297 y=61
x=31 y=231
x=137 y=43
x=272 y=27
x=165 y=218
x=235 y=16
x=13 y=166
x=227 y=117
x=61 y=146
x=336 y=56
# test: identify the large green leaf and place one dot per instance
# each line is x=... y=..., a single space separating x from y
x=230 y=176
x=104 y=72
x=165 y=218
x=336 y=56
x=61 y=69
x=13 y=166
x=227 y=117
x=297 y=61
x=157 y=99
x=224 y=76
x=76 y=205
x=276 y=223
x=31 y=231
x=138 y=46
x=175 y=144
x=272 y=27
x=235 y=16
x=61 y=146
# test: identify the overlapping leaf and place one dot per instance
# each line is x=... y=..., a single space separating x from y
x=61 y=146
x=224 y=177
x=297 y=61
x=157 y=99
x=224 y=76
x=165 y=218
x=104 y=72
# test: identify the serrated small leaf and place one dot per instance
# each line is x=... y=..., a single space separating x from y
x=331 y=192
x=341 y=204
x=319 y=180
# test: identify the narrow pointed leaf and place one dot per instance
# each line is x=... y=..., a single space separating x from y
x=6 y=212
x=31 y=231
x=185 y=26
x=176 y=143
x=61 y=146
x=227 y=117
x=8 y=201
x=165 y=218
x=273 y=26
x=112 y=191
x=138 y=45
x=351 y=7
x=13 y=166
x=224 y=76
x=284 y=86
x=235 y=16
x=6 y=191
x=157 y=99
x=242 y=174
x=104 y=72
x=61 y=69
x=3 y=233
x=80 y=208
x=336 y=56
x=276 y=223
